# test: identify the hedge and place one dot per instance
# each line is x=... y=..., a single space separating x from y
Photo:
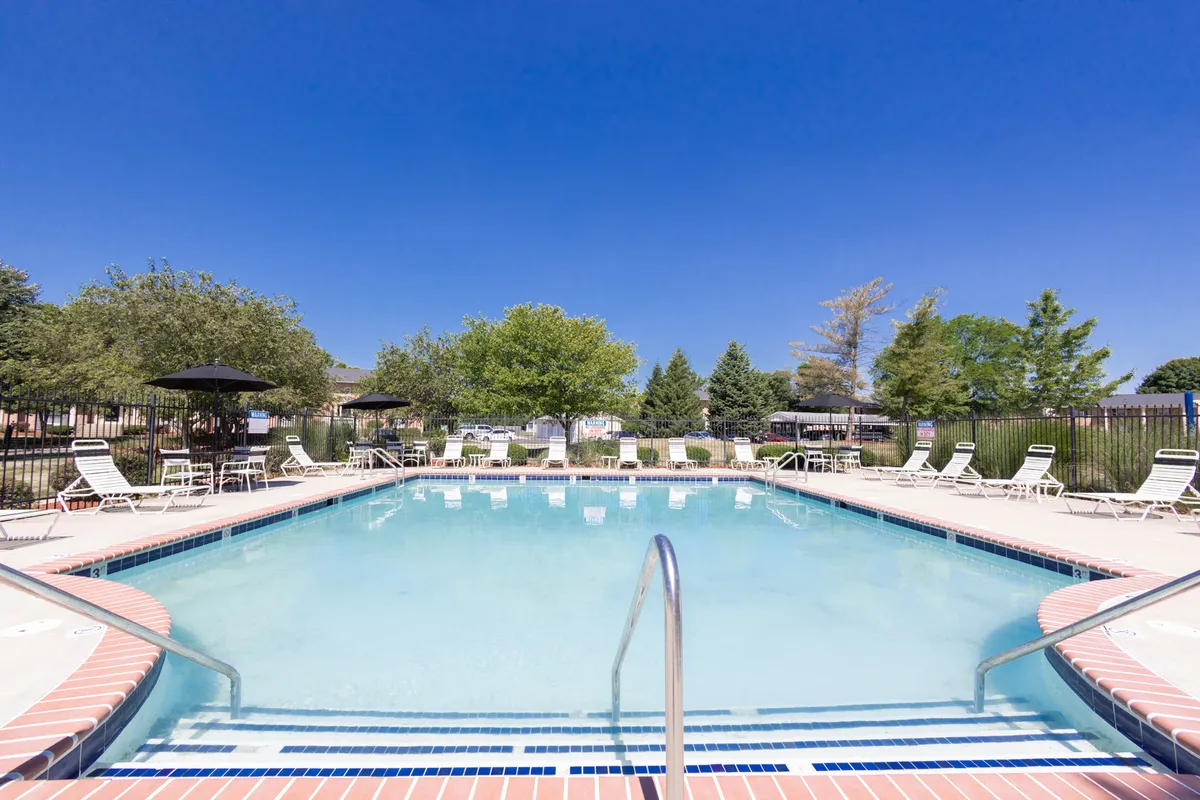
x=15 y=494
x=518 y=454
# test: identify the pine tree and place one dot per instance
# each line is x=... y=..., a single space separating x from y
x=678 y=390
x=735 y=390
x=1063 y=369
x=653 y=394
x=915 y=372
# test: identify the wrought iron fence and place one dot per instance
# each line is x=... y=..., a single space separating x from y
x=1095 y=450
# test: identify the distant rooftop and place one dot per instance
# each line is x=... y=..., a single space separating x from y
x=348 y=374
x=1144 y=400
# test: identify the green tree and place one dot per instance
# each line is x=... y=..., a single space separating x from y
x=735 y=390
x=779 y=390
x=422 y=368
x=672 y=393
x=1063 y=368
x=847 y=336
x=1177 y=375
x=538 y=361
x=914 y=373
x=18 y=302
x=988 y=358
x=818 y=375
x=113 y=336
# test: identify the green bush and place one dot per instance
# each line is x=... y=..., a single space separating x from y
x=701 y=455
x=15 y=494
x=133 y=430
x=471 y=450
x=59 y=430
x=776 y=450
x=647 y=455
x=590 y=452
x=518 y=454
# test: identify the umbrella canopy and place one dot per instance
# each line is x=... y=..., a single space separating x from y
x=215 y=377
x=834 y=401
x=375 y=402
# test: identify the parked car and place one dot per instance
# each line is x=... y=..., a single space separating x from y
x=499 y=435
x=769 y=436
x=698 y=435
x=472 y=432
x=623 y=435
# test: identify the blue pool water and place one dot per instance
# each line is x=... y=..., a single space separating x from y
x=511 y=597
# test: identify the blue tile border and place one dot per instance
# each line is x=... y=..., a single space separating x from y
x=691 y=769
x=315 y=772
x=981 y=763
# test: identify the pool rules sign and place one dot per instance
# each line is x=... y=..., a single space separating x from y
x=258 y=422
x=924 y=430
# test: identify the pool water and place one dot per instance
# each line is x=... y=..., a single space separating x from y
x=447 y=596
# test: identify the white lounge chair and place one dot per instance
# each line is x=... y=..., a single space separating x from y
x=677 y=455
x=629 y=455
x=99 y=477
x=15 y=514
x=958 y=467
x=1169 y=483
x=300 y=463
x=498 y=456
x=1033 y=479
x=557 y=454
x=452 y=456
x=918 y=462
x=743 y=456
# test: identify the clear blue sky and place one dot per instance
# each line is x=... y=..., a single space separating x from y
x=693 y=172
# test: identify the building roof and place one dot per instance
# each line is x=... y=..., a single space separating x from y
x=347 y=374
x=1143 y=400
x=822 y=418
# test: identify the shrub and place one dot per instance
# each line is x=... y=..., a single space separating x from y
x=589 y=452
x=133 y=430
x=518 y=454
x=59 y=430
x=776 y=450
x=701 y=455
x=471 y=450
x=647 y=455
x=15 y=494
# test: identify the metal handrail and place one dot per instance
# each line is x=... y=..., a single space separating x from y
x=388 y=458
x=1141 y=601
x=660 y=552
x=43 y=590
x=771 y=473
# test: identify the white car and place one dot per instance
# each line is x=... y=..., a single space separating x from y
x=473 y=432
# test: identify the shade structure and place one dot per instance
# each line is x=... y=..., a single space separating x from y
x=375 y=402
x=834 y=401
x=216 y=378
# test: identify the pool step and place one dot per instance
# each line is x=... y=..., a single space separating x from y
x=790 y=740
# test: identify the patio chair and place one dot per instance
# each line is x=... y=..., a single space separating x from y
x=743 y=456
x=498 y=456
x=557 y=454
x=918 y=462
x=628 y=455
x=418 y=455
x=958 y=467
x=848 y=458
x=817 y=458
x=452 y=456
x=99 y=477
x=178 y=467
x=1033 y=479
x=302 y=464
x=250 y=465
x=677 y=455
x=1168 y=484
x=13 y=515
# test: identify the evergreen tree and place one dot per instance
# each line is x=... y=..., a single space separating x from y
x=779 y=390
x=914 y=372
x=676 y=391
x=1063 y=369
x=653 y=393
x=735 y=390
x=1177 y=375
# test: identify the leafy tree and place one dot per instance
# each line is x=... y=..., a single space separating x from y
x=818 y=375
x=779 y=390
x=113 y=336
x=987 y=356
x=1063 y=369
x=914 y=372
x=422 y=368
x=735 y=390
x=1177 y=375
x=847 y=335
x=18 y=302
x=538 y=361
x=671 y=394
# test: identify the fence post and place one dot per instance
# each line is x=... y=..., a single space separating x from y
x=1074 y=460
x=152 y=423
x=974 y=436
x=331 y=458
x=304 y=428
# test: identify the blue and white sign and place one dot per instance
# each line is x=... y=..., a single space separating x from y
x=924 y=429
x=257 y=421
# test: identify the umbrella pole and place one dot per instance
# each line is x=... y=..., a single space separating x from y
x=216 y=418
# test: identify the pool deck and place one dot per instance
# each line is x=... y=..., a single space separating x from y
x=1152 y=653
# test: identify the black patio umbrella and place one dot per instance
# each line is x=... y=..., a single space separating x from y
x=832 y=401
x=216 y=378
x=376 y=401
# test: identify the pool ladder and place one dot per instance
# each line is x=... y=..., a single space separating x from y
x=771 y=473
x=660 y=553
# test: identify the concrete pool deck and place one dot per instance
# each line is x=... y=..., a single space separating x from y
x=1166 y=638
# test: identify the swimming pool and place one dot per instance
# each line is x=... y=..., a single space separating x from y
x=448 y=597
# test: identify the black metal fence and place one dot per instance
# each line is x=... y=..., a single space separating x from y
x=1095 y=450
